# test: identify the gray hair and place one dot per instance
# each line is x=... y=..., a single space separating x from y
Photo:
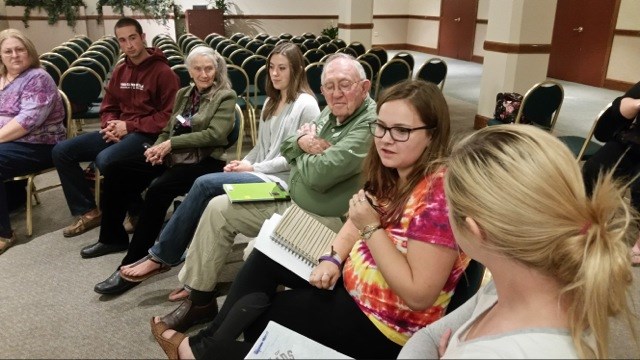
x=356 y=64
x=221 y=80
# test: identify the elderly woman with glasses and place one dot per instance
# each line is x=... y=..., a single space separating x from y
x=31 y=118
x=393 y=266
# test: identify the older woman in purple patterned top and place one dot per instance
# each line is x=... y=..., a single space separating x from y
x=31 y=118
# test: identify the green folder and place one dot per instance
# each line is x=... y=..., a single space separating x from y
x=251 y=192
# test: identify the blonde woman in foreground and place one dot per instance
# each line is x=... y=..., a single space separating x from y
x=559 y=260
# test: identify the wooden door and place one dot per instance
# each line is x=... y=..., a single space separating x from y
x=581 y=43
x=457 y=28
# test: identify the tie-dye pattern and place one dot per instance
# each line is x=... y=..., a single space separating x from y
x=425 y=218
x=32 y=99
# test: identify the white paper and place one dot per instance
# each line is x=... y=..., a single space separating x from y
x=278 y=253
x=279 y=342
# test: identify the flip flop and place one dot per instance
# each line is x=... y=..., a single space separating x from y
x=169 y=346
x=140 y=278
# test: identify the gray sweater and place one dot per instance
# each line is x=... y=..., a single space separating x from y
x=265 y=157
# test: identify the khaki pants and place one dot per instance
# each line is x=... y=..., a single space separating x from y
x=221 y=221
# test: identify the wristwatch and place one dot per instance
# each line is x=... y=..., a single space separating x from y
x=368 y=230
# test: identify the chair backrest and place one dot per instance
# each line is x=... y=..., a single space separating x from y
x=254 y=45
x=339 y=43
x=589 y=136
x=433 y=70
x=237 y=36
x=260 y=81
x=114 y=50
x=193 y=44
x=348 y=50
x=314 y=55
x=298 y=39
x=52 y=70
x=252 y=64
x=56 y=59
x=211 y=36
x=541 y=104
x=262 y=37
x=265 y=50
x=314 y=77
x=171 y=52
x=82 y=38
x=223 y=44
x=286 y=36
x=100 y=57
x=244 y=41
x=175 y=60
x=239 y=81
x=229 y=49
x=308 y=35
x=367 y=69
x=68 y=54
x=272 y=40
x=82 y=85
x=238 y=124
x=373 y=62
x=328 y=48
x=323 y=39
x=183 y=37
x=73 y=46
x=183 y=74
x=239 y=56
x=91 y=64
x=391 y=73
x=159 y=37
x=408 y=58
x=68 y=115
x=358 y=47
x=311 y=44
x=187 y=42
x=467 y=286
x=104 y=50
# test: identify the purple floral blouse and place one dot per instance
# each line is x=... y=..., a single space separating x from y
x=32 y=99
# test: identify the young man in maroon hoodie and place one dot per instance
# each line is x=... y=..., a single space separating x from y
x=137 y=105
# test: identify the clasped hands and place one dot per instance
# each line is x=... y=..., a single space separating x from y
x=238 y=166
x=114 y=131
x=156 y=153
x=309 y=142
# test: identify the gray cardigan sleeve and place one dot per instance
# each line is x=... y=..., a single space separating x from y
x=424 y=343
x=305 y=109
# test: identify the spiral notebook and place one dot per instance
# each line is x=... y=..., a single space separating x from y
x=295 y=240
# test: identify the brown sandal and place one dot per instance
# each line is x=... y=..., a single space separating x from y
x=163 y=268
x=169 y=346
x=6 y=243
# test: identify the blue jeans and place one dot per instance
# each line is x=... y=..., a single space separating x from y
x=16 y=159
x=177 y=234
x=68 y=154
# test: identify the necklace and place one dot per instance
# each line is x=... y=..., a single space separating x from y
x=6 y=81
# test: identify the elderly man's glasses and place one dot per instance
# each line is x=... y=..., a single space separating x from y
x=343 y=85
x=398 y=133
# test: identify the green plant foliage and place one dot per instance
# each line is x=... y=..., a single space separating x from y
x=53 y=8
x=160 y=10
x=330 y=31
x=221 y=5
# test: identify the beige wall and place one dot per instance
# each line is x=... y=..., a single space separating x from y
x=625 y=51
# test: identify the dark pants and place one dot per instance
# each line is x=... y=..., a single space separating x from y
x=16 y=159
x=604 y=160
x=330 y=317
x=68 y=154
x=125 y=180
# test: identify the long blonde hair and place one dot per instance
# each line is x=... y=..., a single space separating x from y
x=525 y=191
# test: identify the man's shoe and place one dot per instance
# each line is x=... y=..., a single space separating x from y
x=81 y=225
x=186 y=315
x=99 y=249
x=114 y=285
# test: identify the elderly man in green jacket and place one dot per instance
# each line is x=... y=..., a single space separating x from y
x=326 y=160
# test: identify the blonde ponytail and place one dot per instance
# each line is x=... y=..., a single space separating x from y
x=525 y=191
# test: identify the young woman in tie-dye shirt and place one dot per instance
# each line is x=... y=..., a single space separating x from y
x=402 y=262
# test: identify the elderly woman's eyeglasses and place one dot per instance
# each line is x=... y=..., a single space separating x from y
x=343 y=85
x=398 y=133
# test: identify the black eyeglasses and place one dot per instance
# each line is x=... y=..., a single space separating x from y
x=398 y=133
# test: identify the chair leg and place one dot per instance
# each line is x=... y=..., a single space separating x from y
x=98 y=181
x=29 y=205
x=34 y=191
